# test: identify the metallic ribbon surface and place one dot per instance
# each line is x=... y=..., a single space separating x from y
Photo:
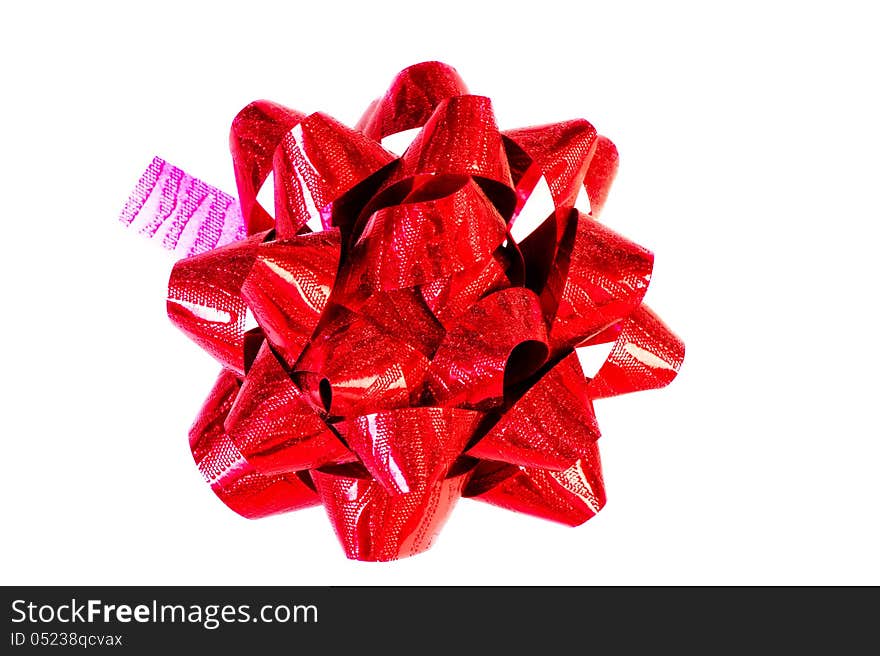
x=410 y=352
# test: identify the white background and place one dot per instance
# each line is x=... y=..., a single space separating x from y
x=748 y=141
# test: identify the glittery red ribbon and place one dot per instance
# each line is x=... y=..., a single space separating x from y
x=411 y=352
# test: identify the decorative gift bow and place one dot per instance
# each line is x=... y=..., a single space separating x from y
x=410 y=352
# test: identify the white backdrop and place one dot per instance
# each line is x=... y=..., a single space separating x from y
x=748 y=141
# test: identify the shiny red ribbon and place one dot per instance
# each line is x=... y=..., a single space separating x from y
x=411 y=352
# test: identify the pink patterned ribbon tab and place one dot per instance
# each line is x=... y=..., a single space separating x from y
x=184 y=214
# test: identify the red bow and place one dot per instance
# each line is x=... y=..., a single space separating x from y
x=411 y=352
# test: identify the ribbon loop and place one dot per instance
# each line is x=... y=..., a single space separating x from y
x=288 y=287
x=205 y=302
x=560 y=152
x=600 y=175
x=462 y=139
x=420 y=241
x=373 y=525
x=411 y=449
x=316 y=163
x=599 y=278
x=275 y=428
x=255 y=134
x=569 y=497
x=646 y=355
x=550 y=427
x=412 y=98
x=238 y=484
